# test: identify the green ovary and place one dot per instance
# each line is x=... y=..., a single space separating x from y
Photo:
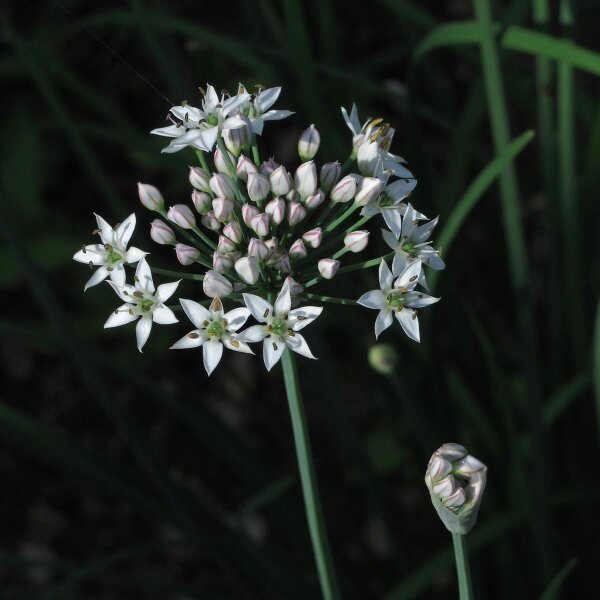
x=212 y=119
x=113 y=256
x=279 y=326
x=146 y=304
x=215 y=329
x=408 y=247
x=396 y=300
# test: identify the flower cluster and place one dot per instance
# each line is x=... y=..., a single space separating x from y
x=261 y=231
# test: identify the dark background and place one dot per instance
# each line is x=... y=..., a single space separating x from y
x=127 y=475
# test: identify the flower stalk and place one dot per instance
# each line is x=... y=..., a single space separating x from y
x=463 y=571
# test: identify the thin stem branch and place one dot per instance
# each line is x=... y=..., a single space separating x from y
x=465 y=591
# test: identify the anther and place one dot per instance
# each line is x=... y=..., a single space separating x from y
x=109 y=268
x=202 y=91
x=414 y=315
x=291 y=333
x=274 y=346
x=193 y=336
x=235 y=343
x=83 y=248
x=205 y=323
x=266 y=314
x=96 y=231
x=138 y=294
x=413 y=278
x=301 y=318
x=91 y=265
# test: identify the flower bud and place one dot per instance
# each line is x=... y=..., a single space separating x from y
x=222 y=262
x=247 y=269
x=161 y=233
x=260 y=224
x=281 y=182
x=244 y=167
x=330 y=173
x=199 y=179
x=182 y=215
x=222 y=186
x=328 y=267
x=315 y=200
x=367 y=157
x=268 y=167
x=368 y=190
x=257 y=248
x=296 y=213
x=305 y=179
x=216 y=286
x=248 y=213
x=283 y=263
x=238 y=134
x=210 y=221
x=150 y=197
x=295 y=288
x=356 y=241
x=293 y=196
x=456 y=482
x=276 y=210
x=308 y=144
x=313 y=237
x=202 y=201
x=298 y=249
x=258 y=187
x=221 y=162
x=233 y=231
x=222 y=208
x=225 y=245
x=344 y=190
x=383 y=358
x=186 y=255
x=357 y=142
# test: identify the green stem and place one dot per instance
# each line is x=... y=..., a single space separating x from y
x=374 y=262
x=314 y=512
x=178 y=274
x=255 y=154
x=465 y=591
x=330 y=299
x=203 y=162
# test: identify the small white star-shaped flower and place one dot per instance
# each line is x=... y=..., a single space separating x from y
x=214 y=329
x=257 y=109
x=279 y=325
x=397 y=298
x=143 y=302
x=112 y=253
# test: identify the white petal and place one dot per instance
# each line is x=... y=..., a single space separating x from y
x=277 y=115
x=259 y=307
x=383 y=321
x=257 y=125
x=232 y=104
x=196 y=313
x=166 y=290
x=399 y=190
x=352 y=120
x=142 y=331
x=272 y=351
x=385 y=276
x=237 y=345
x=267 y=98
x=117 y=274
x=106 y=231
x=121 y=316
x=125 y=292
x=400 y=262
x=299 y=318
x=171 y=131
x=418 y=300
x=410 y=323
x=236 y=318
x=134 y=255
x=389 y=238
x=410 y=276
x=99 y=275
x=409 y=221
x=95 y=254
x=393 y=219
x=430 y=257
x=211 y=99
x=256 y=333
x=283 y=303
x=213 y=350
x=163 y=315
x=143 y=276
x=206 y=140
x=193 y=339
x=397 y=169
x=373 y=299
x=124 y=232
x=187 y=113
x=421 y=234
x=298 y=344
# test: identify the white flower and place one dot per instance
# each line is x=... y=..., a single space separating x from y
x=391 y=198
x=215 y=285
x=112 y=253
x=144 y=302
x=257 y=109
x=279 y=325
x=199 y=128
x=214 y=329
x=397 y=298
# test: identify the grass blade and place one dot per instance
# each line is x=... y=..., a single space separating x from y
x=553 y=589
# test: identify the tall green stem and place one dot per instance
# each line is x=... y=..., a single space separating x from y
x=310 y=490
x=465 y=591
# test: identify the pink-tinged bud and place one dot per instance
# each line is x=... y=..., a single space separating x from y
x=281 y=182
x=257 y=248
x=248 y=213
x=247 y=269
x=222 y=186
x=260 y=224
x=344 y=190
x=268 y=167
x=161 y=233
x=221 y=162
x=223 y=208
x=330 y=173
x=367 y=156
x=368 y=190
x=296 y=213
x=150 y=197
x=199 y=179
x=225 y=245
x=216 y=286
x=295 y=287
x=186 y=255
x=233 y=231
x=202 y=201
x=182 y=215
x=244 y=167
x=283 y=263
x=210 y=221
x=328 y=267
x=305 y=179
x=258 y=187
x=356 y=241
x=272 y=243
x=276 y=210
x=298 y=249
x=314 y=237
x=237 y=133
x=222 y=262
x=308 y=144
x=315 y=200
